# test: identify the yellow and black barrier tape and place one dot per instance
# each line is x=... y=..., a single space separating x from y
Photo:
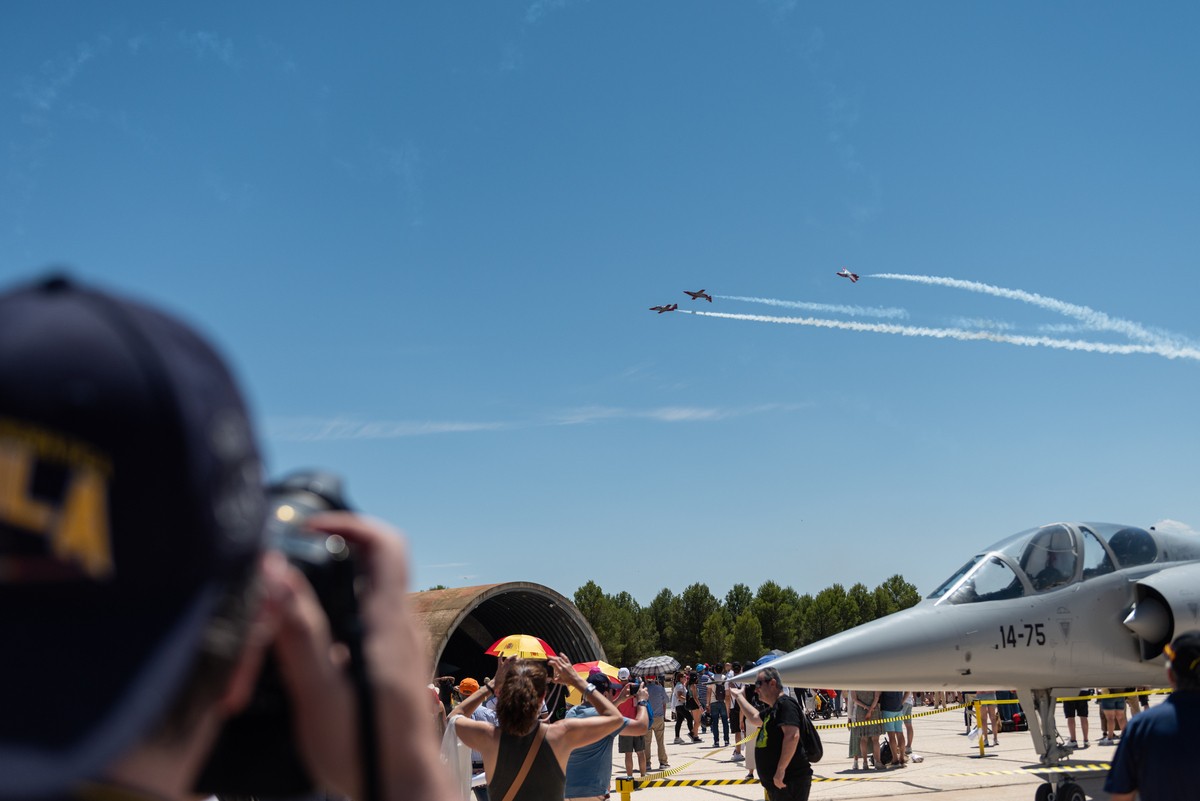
x=874 y=721
x=663 y=774
x=626 y=784
x=1107 y=695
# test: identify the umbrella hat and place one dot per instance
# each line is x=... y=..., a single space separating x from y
x=522 y=645
x=586 y=669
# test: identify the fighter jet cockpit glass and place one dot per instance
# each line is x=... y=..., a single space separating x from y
x=949 y=583
x=1049 y=558
x=991 y=579
x=1131 y=546
x=1096 y=561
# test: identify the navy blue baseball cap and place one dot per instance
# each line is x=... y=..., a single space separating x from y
x=130 y=497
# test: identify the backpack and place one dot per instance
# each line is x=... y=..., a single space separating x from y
x=720 y=691
x=809 y=739
x=885 y=754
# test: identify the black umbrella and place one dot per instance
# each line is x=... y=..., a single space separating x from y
x=655 y=666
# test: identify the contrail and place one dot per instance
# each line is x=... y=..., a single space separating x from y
x=853 y=311
x=1089 y=317
x=1167 y=350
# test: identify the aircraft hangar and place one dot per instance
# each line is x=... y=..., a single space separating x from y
x=463 y=622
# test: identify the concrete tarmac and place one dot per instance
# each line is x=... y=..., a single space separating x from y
x=941 y=739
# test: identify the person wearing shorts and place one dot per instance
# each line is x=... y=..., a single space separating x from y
x=906 y=712
x=1077 y=709
x=891 y=705
x=988 y=711
x=1113 y=711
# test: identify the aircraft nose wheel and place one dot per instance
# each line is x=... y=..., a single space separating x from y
x=1067 y=791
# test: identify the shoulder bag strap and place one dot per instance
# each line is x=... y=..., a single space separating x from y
x=529 y=757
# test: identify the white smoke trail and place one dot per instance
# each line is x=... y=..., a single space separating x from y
x=1169 y=351
x=853 y=311
x=1089 y=317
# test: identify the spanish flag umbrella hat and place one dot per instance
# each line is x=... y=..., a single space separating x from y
x=522 y=645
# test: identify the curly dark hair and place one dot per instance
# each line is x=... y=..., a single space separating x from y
x=521 y=697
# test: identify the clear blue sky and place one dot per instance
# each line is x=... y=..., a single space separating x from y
x=427 y=238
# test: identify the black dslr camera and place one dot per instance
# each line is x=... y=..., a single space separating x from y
x=256 y=753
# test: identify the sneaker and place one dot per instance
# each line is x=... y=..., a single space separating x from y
x=1105 y=741
x=1072 y=744
x=726 y=743
x=678 y=741
x=695 y=739
x=664 y=766
x=908 y=749
x=1085 y=744
x=738 y=758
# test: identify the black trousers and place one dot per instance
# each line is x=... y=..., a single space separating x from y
x=682 y=713
x=792 y=792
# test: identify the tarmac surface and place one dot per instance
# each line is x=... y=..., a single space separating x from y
x=940 y=739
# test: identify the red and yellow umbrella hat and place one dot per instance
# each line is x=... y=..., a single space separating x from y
x=525 y=646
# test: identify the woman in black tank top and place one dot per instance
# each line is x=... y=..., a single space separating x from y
x=522 y=752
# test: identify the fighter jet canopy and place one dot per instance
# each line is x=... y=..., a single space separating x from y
x=1046 y=558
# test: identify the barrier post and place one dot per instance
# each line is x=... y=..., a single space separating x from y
x=979 y=725
x=625 y=787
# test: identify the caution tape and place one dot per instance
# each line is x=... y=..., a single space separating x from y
x=664 y=774
x=884 y=720
x=640 y=784
x=1110 y=695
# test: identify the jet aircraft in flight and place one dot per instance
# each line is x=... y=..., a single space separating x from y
x=844 y=273
x=661 y=309
x=698 y=295
x=1046 y=612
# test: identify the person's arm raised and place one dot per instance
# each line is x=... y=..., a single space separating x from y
x=578 y=732
x=749 y=713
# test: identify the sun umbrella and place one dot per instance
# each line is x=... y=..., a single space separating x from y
x=655 y=666
x=523 y=645
x=586 y=669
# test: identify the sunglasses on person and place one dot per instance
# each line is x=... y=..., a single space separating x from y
x=761 y=682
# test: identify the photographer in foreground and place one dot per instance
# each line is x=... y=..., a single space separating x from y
x=133 y=582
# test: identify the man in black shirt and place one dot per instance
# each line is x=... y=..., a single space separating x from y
x=782 y=764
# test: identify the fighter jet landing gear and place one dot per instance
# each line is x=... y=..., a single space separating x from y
x=1066 y=791
x=1039 y=705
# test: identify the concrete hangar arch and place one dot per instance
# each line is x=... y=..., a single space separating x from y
x=463 y=622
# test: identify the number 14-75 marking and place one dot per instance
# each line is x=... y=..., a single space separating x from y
x=1009 y=639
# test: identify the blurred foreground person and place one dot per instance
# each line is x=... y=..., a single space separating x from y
x=132 y=579
x=526 y=759
x=1154 y=760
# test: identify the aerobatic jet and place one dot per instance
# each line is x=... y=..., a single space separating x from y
x=698 y=295
x=844 y=273
x=1047 y=611
x=661 y=309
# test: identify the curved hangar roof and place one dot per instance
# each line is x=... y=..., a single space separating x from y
x=464 y=622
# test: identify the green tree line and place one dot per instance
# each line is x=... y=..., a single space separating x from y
x=697 y=626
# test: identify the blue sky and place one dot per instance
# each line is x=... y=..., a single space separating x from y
x=428 y=237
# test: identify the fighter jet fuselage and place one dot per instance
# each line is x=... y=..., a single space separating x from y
x=1044 y=612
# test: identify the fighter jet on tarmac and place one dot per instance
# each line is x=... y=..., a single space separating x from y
x=1047 y=612
x=661 y=309
x=844 y=273
x=698 y=295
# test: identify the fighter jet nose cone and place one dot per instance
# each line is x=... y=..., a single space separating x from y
x=1149 y=620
